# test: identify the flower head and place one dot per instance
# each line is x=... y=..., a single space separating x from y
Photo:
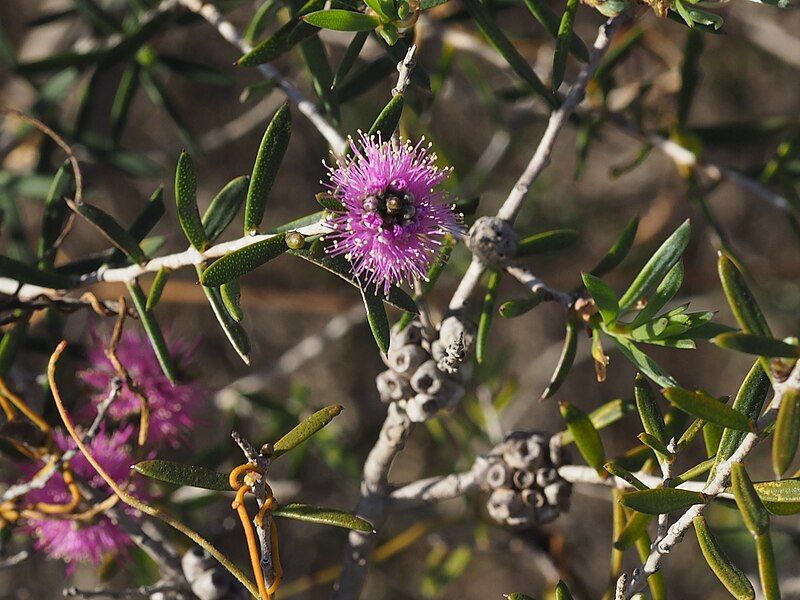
x=173 y=407
x=82 y=540
x=393 y=219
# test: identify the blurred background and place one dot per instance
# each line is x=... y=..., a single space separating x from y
x=746 y=102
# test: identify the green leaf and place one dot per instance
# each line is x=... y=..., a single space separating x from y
x=110 y=229
x=319 y=69
x=268 y=160
x=562 y=591
x=494 y=34
x=644 y=363
x=284 y=39
x=323 y=516
x=153 y=331
x=767 y=569
x=242 y=261
x=123 y=99
x=634 y=529
x=659 y=501
x=603 y=416
x=186 y=202
x=761 y=345
x=339 y=265
x=350 y=57
x=549 y=19
x=547 y=241
x=658 y=266
x=656 y=446
x=729 y=575
x=377 y=319
x=741 y=299
x=649 y=412
x=619 y=471
x=23 y=273
x=149 y=216
x=603 y=297
x=180 y=474
x=55 y=212
x=563 y=41
x=665 y=291
x=342 y=20
x=224 y=207
x=386 y=122
x=302 y=431
x=565 y=360
x=704 y=406
x=749 y=401
x=231 y=293
x=159 y=281
x=233 y=331
x=787 y=432
x=486 y=315
x=586 y=436
x=780 y=497
x=754 y=515
x=519 y=306
x=619 y=250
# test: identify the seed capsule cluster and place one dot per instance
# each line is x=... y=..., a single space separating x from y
x=207 y=580
x=522 y=476
x=426 y=372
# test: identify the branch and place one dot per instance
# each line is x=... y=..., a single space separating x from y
x=559 y=118
x=712 y=489
x=178 y=260
x=226 y=29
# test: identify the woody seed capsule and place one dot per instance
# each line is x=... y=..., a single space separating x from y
x=295 y=240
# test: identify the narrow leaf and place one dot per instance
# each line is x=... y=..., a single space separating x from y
x=110 y=229
x=603 y=416
x=486 y=315
x=23 y=273
x=649 y=412
x=586 y=436
x=634 y=529
x=644 y=363
x=224 y=207
x=268 y=160
x=186 y=202
x=547 y=241
x=302 y=431
x=342 y=20
x=787 y=432
x=562 y=591
x=619 y=250
x=519 y=306
x=729 y=575
x=242 y=261
x=658 y=266
x=386 y=122
x=180 y=474
x=549 y=19
x=565 y=360
x=323 y=516
x=741 y=299
x=231 y=294
x=603 y=297
x=377 y=319
x=55 y=211
x=233 y=331
x=704 y=406
x=754 y=515
x=761 y=345
x=665 y=291
x=157 y=288
x=153 y=331
x=563 y=43
x=659 y=501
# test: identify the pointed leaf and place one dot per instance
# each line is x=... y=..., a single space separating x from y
x=761 y=345
x=231 y=293
x=224 y=207
x=377 y=319
x=562 y=591
x=741 y=299
x=153 y=331
x=386 y=122
x=323 y=516
x=242 y=261
x=110 y=229
x=233 y=331
x=565 y=360
x=302 y=431
x=549 y=19
x=547 y=241
x=55 y=211
x=704 y=406
x=563 y=41
x=754 y=515
x=186 y=202
x=658 y=266
x=644 y=363
x=619 y=250
x=342 y=20
x=634 y=529
x=649 y=412
x=486 y=315
x=659 y=501
x=519 y=306
x=618 y=470
x=268 y=160
x=23 y=273
x=787 y=432
x=729 y=575
x=603 y=297
x=603 y=416
x=665 y=291
x=157 y=288
x=586 y=436
x=180 y=474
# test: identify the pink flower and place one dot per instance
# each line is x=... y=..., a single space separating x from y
x=394 y=219
x=173 y=408
x=79 y=541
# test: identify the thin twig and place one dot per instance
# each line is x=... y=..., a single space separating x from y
x=226 y=29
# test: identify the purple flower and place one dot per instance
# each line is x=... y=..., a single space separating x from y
x=73 y=540
x=394 y=220
x=173 y=408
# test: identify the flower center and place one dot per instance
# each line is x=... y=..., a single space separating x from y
x=394 y=206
